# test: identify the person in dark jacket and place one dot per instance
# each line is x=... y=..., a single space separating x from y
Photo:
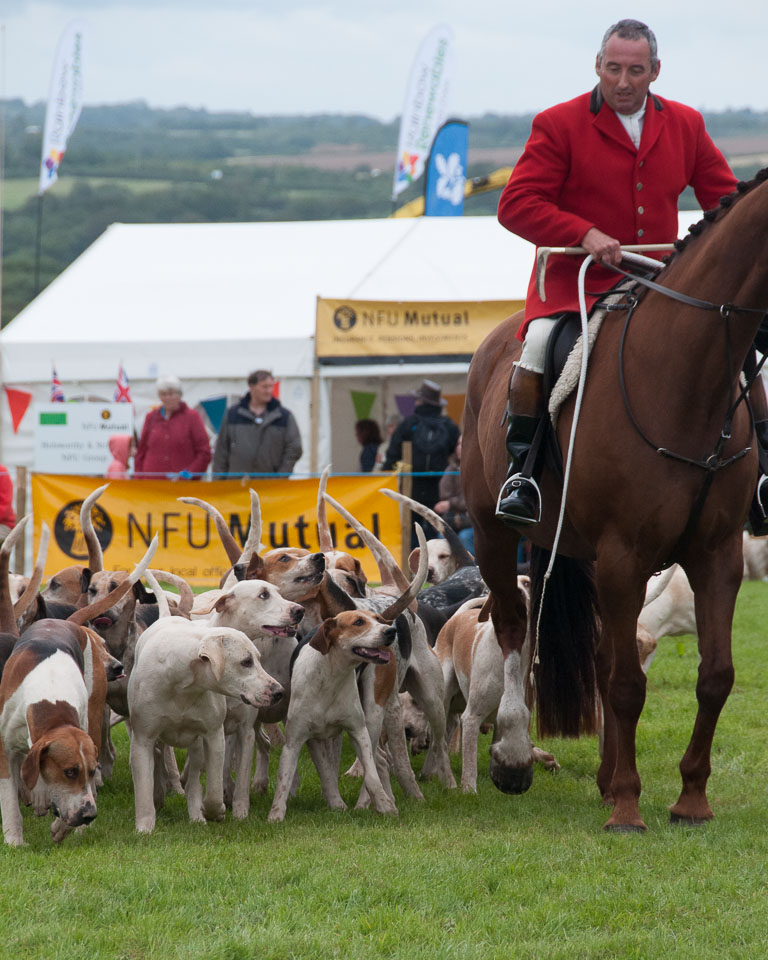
x=174 y=442
x=258 y=434
x=369 y=437
x=434 y=437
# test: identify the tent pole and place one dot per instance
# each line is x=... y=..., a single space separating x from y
x=314 y=419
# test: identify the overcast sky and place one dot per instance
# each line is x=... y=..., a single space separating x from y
x=353 y=56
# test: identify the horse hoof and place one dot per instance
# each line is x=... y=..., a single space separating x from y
x=625 y=827
x=511 y=779
x=676 y=820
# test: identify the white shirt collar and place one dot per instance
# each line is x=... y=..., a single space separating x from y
x=633 y=124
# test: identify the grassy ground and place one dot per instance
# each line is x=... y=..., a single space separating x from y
x=481 y=876
x=16 y=192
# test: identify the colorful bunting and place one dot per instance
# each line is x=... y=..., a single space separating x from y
x=363 y=403
x=18 y=401
x=57 y=394
x=122 y=387
x=405 y=404
x=215 y=408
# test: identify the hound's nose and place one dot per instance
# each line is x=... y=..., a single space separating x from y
x=87 y=813
x=389 y=635
x=297 y=613
x=277 y=696
x=318 y=559
x=115 y=670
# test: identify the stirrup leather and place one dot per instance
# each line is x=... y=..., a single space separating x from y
x=507 y=488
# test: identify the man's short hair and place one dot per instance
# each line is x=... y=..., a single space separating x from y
x=631 y=30
x=258 y=375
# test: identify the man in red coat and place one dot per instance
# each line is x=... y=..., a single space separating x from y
x=602 y=170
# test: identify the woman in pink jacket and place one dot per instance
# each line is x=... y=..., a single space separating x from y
x=173 y=442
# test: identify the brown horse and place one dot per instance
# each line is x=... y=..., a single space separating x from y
x=627 y=508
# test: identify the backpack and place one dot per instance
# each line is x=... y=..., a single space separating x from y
x=432 y=435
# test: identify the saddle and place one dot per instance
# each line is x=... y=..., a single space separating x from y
x=562 y=366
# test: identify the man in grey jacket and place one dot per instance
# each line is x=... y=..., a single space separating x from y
x=258 y=434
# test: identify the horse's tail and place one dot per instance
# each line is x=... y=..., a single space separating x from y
x=564 y=678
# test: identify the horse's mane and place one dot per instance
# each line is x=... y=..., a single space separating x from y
x=709 y=216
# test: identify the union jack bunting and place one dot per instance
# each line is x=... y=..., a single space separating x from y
x=122 y=387
x=57 y=394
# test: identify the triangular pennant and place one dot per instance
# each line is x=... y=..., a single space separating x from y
x=405 y=404
x=215 y=408
x=18 y=401
x=363 y=403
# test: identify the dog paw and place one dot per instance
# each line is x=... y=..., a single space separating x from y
x=388 y=809
x=59 y=830
x=469 y=788
x=240 y=810
x=145 y=826
x=275 y=816
x=337 y=805
x=259 y=786
x=214 y=811
x=15 y=840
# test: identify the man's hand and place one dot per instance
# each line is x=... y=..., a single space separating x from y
x=602 y=247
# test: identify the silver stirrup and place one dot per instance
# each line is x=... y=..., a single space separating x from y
x=760 y=484
x=507 y=487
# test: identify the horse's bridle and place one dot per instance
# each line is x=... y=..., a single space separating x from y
x=713 y=462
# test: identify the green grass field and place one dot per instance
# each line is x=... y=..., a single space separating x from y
x=486 y=876
x=16 y=192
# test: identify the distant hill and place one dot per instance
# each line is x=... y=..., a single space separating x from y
x=132 y=163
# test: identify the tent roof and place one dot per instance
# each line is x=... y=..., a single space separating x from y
x=212 y=300
x=144 y=292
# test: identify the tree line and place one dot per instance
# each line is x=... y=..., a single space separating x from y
x=131 y=163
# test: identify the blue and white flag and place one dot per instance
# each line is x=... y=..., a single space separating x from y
x=447 y=171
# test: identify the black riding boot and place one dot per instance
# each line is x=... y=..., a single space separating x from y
x=758 y=513
x=519 y=500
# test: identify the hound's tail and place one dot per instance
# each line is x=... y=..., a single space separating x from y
x=565 y=679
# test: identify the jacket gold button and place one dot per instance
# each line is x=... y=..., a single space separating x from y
x=640 y=210
x=639 y=186
x=640 y=232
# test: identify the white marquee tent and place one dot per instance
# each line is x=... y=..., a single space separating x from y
x=210 y=302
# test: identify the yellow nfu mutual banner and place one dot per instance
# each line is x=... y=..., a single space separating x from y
x=383 y=329
x=130 y=512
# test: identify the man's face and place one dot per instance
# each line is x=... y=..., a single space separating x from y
x=625 y=73
x=261 y=392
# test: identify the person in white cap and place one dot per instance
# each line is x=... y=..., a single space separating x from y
x=174 y=442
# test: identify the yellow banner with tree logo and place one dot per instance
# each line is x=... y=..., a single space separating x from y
x=130 y=512
x=370 y=329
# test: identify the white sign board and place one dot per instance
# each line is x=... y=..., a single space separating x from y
x=74 y=437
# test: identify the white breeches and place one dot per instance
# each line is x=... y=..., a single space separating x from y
x=535 y=344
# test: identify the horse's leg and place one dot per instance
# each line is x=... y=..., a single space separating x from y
x=512 y=751
x=715 y=582
x=620 y=590
x=603 y=665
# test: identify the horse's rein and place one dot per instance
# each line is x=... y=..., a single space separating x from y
x=713 y=461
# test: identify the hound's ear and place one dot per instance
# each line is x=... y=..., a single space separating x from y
x=210 y=652
x=255 y=569
x=359 y=572
x=413 y=560
x=485 y=611
x=358 y=585
x=142 y=594
x=222 y=602
x=30 y=769
x=322 y=638
x=85 y=579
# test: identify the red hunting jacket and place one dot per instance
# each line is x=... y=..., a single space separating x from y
x=580 y=169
